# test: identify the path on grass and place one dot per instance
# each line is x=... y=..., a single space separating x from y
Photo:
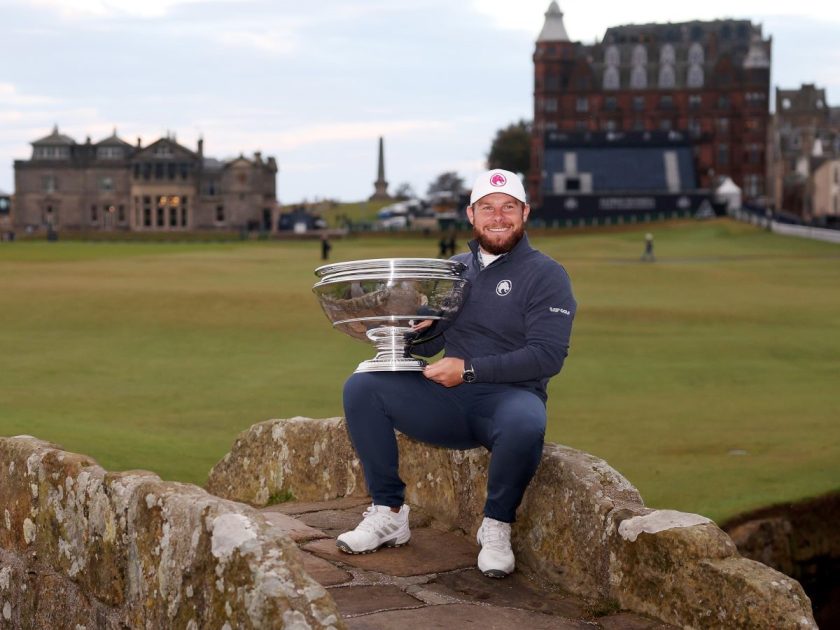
x=430 y=583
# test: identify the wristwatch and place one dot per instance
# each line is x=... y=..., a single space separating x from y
x=468 y=375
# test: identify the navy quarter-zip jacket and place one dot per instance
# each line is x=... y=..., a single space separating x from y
x=516 y=322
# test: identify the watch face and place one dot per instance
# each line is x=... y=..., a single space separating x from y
x=468 y=376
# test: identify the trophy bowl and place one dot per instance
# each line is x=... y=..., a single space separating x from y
x=380 y=300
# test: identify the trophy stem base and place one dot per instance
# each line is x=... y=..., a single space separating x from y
x=392 y=364
x=392 y=352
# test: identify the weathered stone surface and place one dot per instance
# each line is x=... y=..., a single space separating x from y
x=294 y=508
x=102 y=548
x=450 y=616
x=335 y=522
x=515 y=591
x=295 y=529
x=629 y=621
x=569 y=529
x=323 y=572
x=277 y=457
x=697 y=569
x=429 y=551
x=356 y=600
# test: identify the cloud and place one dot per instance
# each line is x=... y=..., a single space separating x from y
x=10 y=97
x=276 y=43
x=80 y=9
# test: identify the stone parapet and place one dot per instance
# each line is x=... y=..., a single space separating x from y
x=82 y=547
x=581 y=526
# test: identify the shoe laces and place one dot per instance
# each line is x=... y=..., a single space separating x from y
x=374 y=519
x=495 y=534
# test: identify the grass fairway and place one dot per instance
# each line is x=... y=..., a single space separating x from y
x=709 y=378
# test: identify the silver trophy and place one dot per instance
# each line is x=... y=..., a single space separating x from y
x=379 y=300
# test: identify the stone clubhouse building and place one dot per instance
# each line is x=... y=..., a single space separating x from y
x=164 y=186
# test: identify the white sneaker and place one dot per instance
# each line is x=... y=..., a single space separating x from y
x=380 y=527
x=496 y=557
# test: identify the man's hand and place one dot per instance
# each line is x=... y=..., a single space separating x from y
x=420 y=326
x=447 y=372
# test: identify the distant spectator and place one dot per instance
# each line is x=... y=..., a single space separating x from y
x=443 y=247
x=648 y=254
x=325 y=247
x=450 y=245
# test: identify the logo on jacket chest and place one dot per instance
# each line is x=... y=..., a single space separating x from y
x=504 y=287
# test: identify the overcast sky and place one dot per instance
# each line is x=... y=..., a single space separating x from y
x=315 y=84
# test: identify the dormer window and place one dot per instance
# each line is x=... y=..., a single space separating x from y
x=611 y=57
x=163 y=151
x=51 y=153
x=667 y=55
x=110 y=153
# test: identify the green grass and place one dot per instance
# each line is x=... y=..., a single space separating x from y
x=154 y=355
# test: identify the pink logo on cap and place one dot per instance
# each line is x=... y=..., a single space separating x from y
x=498 y=179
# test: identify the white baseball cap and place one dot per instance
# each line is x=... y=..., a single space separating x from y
x=498 y=180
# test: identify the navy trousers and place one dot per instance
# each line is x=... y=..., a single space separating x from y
x=509 y=421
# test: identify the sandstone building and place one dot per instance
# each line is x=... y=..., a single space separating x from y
x=164 y=186
x=804 y=154
x=704 y=83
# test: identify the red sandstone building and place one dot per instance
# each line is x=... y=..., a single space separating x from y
x=701 y=84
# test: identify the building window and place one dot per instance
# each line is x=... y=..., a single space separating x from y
x=666 y=101
x=694 y=127
x=753 y=185
x=121 y=213
x=722 y=125
x=163 y=150
x=695 y=76
x=94 y=214
x=695 y=54
x=582 y=104
x=667 y=55
x=220 y=214
x=754 y=151
x=638 y=78
x=610 y=104
x=639 y=55
x=106 y=184
x=159 y=170
x=551 y=104
x=723 y=154
x=49 y=184
x=51 y=153
x=581 y=125
x=695 y=101
x=638 y=103
x=109 y=153
x=638 y=125
x=665 y=124
x=723 y=102
x=611 y=56
x=667 y=76
x=611 y=78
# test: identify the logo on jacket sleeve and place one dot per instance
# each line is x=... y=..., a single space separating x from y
x=504 y=287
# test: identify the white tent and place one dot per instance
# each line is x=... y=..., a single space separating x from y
x=729 y=193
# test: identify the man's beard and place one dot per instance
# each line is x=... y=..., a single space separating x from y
x=499 y=247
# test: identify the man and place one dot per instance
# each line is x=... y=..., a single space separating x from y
x=510 y=337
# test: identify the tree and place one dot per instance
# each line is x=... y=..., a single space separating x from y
x=405 y=191
x=511 y=148
x=449 y=182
